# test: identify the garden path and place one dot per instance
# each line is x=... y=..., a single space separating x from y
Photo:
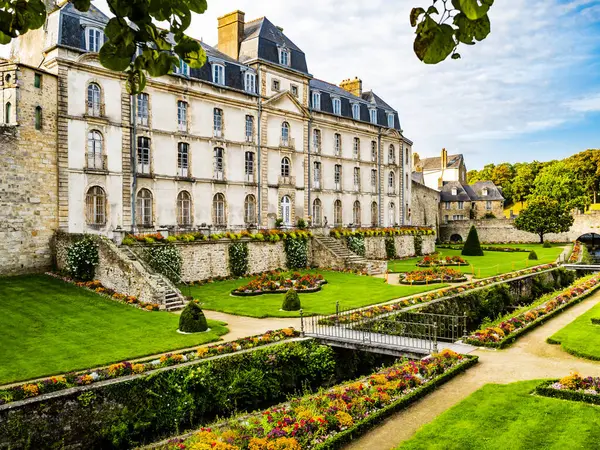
x=242 y=326
x=529 y=358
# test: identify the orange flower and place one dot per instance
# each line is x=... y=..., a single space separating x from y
x=31 y=390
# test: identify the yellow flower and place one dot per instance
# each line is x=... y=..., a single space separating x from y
x=138 y=368
x=288 y=331
x=344 y=419
x=572 y=381
x=202 y=351
x=31 y=390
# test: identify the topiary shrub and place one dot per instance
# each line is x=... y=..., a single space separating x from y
x=296 y=252
x=166 y=260
x=301 y=224
x=472 y=246
x=418 y=245
x=238 y=258
x=390 y=248
x=291 y=301
x=533 y=256
x=82 y=259
x=356 y=244
x=547 y=244
x=192 y=319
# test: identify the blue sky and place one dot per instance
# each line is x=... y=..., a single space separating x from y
x=529 y=91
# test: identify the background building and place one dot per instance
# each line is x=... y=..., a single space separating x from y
x=481 y=200
x=440 y=170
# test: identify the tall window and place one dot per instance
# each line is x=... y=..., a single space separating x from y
x=316 y=100
x=38 y=118
x=249 y=166
x=392 y=154
x=143 y=109
x=356 y=148
x=144 y=208
x=392 y=183
x=219 y=168
x=284 y=57
x=488 y=205
x=356 y=111
x=182 y=115
x=250 y=209
x=249 y=128
x=95 y=202
x=356 y=215
x=391 y=120
x=461 y=205
x=373 y=177
x=357 y=178
x=373 y=115
x=285 y=167
x=143 y=155
x=337 y=213
x=317 y=141
x=374 y=214
x=94 y=38
x=95 y=160
x=337 y=106
x=317 y=175
x=218 y=73
x=317 y=212
x=285 y=134
x=407 y=156
x=373 y=151
x=218 y=122
x=7 y=113
x=250 y=82
x=184 y=209
x=219 y=210
x=93 y=100
x=392 y=214
x=337 y=142
x=183 y=159
x=37 y=80
x=286 y=210
x=182 y=68
x=337 y=176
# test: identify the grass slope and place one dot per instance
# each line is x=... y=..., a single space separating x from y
x=581 y=337
x=49 y=327
x=492 y=263
x=508 y=417
x=352 y=291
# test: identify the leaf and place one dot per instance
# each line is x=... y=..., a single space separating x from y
x=455 y=55
x=197 y=6
x=414 y=16
x=160 y=64
x=432 y=10
x=4 y=38
x=435 y=45
x=191 y=52
x=116 y=57
x=120 y=8
x=29 y=15
x=113 y=29
x=136 y=81
x=81 y=5
x=471 y=29
x=472 y=9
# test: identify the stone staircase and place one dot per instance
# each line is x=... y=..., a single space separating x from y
x=351 y=260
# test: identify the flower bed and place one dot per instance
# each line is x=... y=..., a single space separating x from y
x=577 y=253
x=377 y=310
x=260 y=236
x=329 y=419
x=432 y=276
x=509 y=330
x=98 y=288
x=572 y=387
x=57 y=383
x=436 y=260
x=281 y=282
x=370 y=232
x=487 y=248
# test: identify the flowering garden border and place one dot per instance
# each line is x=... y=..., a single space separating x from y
x=540 y=314
x=272 y=236
x=339 y=233
x=434 y=275
x=577 y=253
x=487 y=248
x=47 y=385
x=569 y=390
x=436 y=260
x=295 y=281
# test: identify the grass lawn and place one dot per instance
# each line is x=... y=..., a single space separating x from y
x=581 y=337
x=508 y=417
x=352 y=291
x=492 y=263
x=49 y=327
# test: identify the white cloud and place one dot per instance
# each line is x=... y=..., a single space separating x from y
x=590 y=103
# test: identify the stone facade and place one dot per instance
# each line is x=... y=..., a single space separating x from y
x=405 y=246
x=425 y=204
x=28 y=168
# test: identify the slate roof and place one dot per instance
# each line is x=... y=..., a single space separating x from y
x=418 y=177
x=475 y=191
x=435 y=163
x=461 y=193
x=470 y=193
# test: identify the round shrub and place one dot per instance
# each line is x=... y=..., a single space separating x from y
x=82 y=259
x=238 y=258
x=291 y=302
x=472 y=246
x=547 y=244
x=192 y=319
x=533 y=256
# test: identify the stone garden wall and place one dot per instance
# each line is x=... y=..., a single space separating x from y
x=405 y=246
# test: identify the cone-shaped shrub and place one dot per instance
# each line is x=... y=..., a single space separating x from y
x=291 y=302
x=533 y=255
x=547 y=244
x=192 y=319
x=472 y=246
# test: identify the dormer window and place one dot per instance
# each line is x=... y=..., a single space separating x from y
x=484 y=192
x=284 y=57
x=250 y=82
x=316 y=100
x=373 y=115
x=182 y=68
x=218 y=74
x=337 y=106
x=356 y=111
x=454 y=191
x=94 y=38
x=391 y=120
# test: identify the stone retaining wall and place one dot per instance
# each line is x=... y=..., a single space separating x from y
x=405 y=246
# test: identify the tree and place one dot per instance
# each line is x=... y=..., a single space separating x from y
x=131 y=29
x=472 y=246
x=544 y=215
x=586 y=167
x=557 y=182
x=524 y=181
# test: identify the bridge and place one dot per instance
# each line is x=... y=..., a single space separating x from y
x=586 y=267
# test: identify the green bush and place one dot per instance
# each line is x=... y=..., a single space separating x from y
x=296 y=252
x=472 y=246
x=238 y=258
x=418 y=245
x=166 y=260
x=82 y=259
x=291 y=301
x=301 y=224
x=356 y=244
x=278 y=223
x=192 y=319
x=390 y=248
x=547 y=244
x=533 y=256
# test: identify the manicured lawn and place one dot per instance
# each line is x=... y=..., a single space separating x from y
x=492 y=263
x=581 y=337
x=352 y=291
x=49 y=327
x=508 y=417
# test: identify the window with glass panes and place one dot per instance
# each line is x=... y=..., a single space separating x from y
x=143 y=155
x=183 y=155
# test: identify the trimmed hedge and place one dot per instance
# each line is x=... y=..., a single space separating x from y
x=192 y=319
x=472 y=246
x=532 y=256
x=545 y=390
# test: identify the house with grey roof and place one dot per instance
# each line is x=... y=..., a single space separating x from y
x=441 y=169
x=461 y=201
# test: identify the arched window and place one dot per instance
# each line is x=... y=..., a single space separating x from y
x=95 y=201
x=95 y=143
x=392 y=214
x=250 y=209
x=184 y=209
x=392 y=182
x=285 y=134
x=8 y=113
x=392 y=154
x=144 y=208
x=337 y=213
x=93 y=99
x=356 y=216
x=317 y=213
x=374 y=214
x=38 y=118
x=286 y=210
x=285 y=167
x=219 y=210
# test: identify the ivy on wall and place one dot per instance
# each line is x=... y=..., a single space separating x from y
x=82 y=259
x=296 y=252
x=238 y=258
x=418 y=246
x=166 y=260
x=390 y=248
x=356 y=244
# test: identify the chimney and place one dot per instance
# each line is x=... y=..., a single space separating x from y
x=231 y=33
x=417 y=162
x=444 y=159
x=352 y=86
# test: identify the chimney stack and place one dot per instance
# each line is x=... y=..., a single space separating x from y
x=444 y=159
x=352 y=86
x=417 y=162
x=231 y=33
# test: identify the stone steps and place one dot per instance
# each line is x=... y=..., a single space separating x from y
x=351 y=260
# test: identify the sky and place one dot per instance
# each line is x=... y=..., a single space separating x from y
x=530 y=91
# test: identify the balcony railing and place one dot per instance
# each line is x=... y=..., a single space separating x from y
x=287 y=181
x=183 y=172
x=287 y=142
x=219 y=175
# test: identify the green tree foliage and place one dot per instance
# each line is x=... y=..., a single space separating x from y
x=446 y=24
x=544 y=215
x=524 y=180
x=192 y=319
x=472 y=245
x=586 y=167
x=557 y=182
x=291 y=301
